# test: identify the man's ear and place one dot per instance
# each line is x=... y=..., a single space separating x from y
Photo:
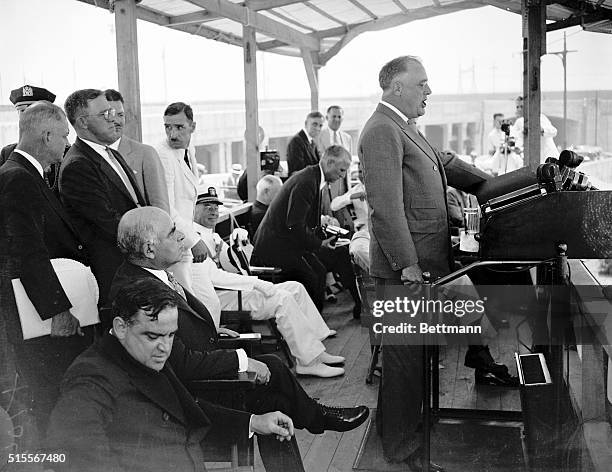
x=119 y=327
x=397 y=87
x=193 y=126
x=148 y=249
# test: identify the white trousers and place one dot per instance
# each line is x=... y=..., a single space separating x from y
x=297 y=317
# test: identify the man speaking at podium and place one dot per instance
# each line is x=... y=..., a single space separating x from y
x=406 y=180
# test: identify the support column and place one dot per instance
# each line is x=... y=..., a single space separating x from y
x=312 y=72
x=249 y=47
x=126 y=35
x=534 y=40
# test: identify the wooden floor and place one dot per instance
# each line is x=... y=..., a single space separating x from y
x=334 y=451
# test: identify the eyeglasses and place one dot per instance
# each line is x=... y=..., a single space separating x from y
x=106 y=114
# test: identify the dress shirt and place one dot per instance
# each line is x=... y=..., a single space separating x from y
x=101 y=150
x=399 y=113
x=310 y=140
x=323 y=181
x=243 y=360
x=32 y=161
x=496 y=138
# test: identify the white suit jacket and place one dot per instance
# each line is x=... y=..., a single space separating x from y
x=182 y=185
x=547 y=144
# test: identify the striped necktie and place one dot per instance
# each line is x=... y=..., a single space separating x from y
x=122 y=175
x=175 y=285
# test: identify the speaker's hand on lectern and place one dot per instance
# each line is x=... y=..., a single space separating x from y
x=412 y=275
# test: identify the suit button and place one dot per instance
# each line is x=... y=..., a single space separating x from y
x=80 y=247
x=165 y=416
x=435 y=168
x=212 y=340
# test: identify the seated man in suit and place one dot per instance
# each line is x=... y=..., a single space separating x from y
x=123 y=407
x=302 y=149
x=267 y=188
x=141 y=158
x=289 y=235
x=151 y=243
x=297 y=317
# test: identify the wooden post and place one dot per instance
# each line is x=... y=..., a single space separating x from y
x=249 y=47
x=312 y=72
x=535 y=13
x=127 y=65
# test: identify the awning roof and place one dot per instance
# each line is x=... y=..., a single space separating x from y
x=324 y=27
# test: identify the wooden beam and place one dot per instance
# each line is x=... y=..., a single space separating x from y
x=313 y=78
x=388 y=22
x=247 y=17
x=580 y=20
x=291 y=20
x=127 y=65
x=401 y=6
x=367 y=11
x=153 y=16
x=322 y=12
x=535 y=14
x=251 y=109
x=268 y=4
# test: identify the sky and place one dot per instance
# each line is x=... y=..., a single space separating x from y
x=70 y=45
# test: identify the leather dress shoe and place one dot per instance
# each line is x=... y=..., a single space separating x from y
x=484 y=377
x=416 y=464
x=480 y=358
x=329 y=359
x=343 y=419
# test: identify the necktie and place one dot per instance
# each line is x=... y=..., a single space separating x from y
x=186 y=157
x=175 y=285
x=337 y=140
x=122 y=175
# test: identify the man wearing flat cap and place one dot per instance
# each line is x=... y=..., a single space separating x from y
x=22 y=98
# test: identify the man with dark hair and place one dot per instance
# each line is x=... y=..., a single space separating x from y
x=141 y=158
x=151 y=242
x=406 y=181
x=34 y=228
x=302 y=149
x=288 y=235
x=96 y=185
x=124 y=408
x=178 y=157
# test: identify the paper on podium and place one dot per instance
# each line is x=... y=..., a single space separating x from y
x=81 y=288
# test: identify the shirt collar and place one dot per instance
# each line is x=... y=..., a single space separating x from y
x=99 y=148
x=395 y=110
x=32 y=161
x=115 y=145
x=161 y=275
x=307 y=135
x=323 y=182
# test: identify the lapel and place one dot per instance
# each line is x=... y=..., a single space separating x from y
x=45 y=190
x=314 y=159
x=130 y=175
x=105 y=168
x=416 y=137
x=189 y=173
x=159 y=387
x=130 y=270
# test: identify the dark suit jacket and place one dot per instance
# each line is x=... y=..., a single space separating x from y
x=405 y=180
x=96 y=198
x=116 y=414
x=300 y=153
x=6 y=152
x=258 y=211
x=197 y=331
x=34 y=228
x=50 y=174
x=288 y=228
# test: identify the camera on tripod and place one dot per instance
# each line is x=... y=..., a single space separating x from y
x=509 y=141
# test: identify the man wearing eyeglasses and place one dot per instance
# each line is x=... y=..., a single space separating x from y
x=96 y=185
